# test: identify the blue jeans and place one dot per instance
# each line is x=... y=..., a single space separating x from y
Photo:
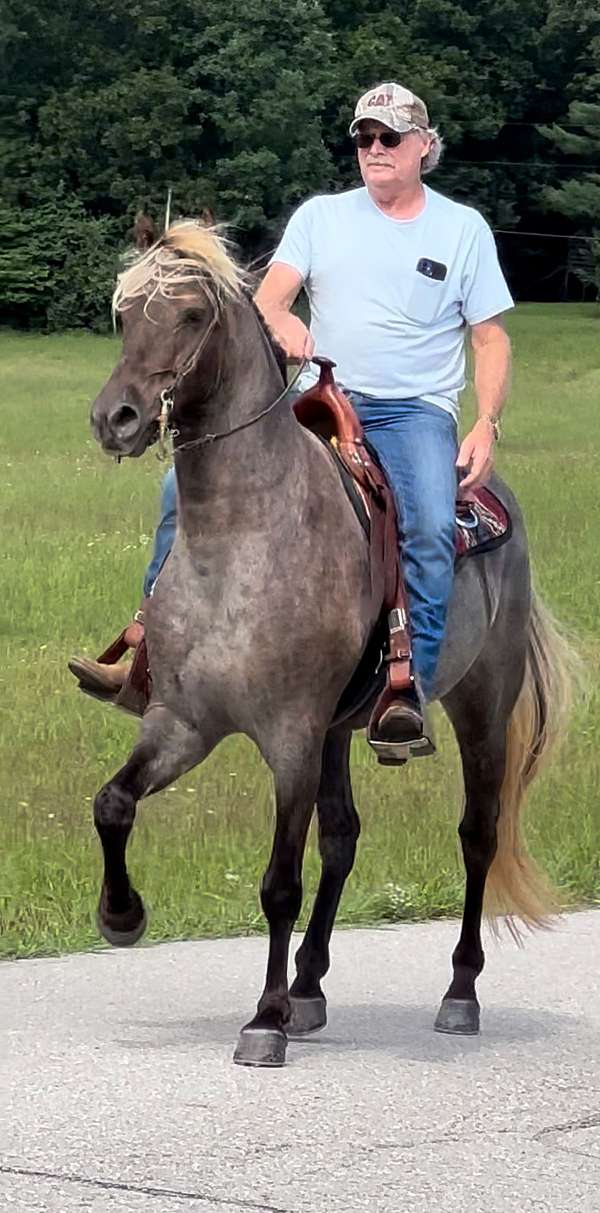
x=165 y=533
x=416 y=444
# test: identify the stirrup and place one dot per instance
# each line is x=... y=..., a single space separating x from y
x=396 y=753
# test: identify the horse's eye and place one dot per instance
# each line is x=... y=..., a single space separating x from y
x=192 y=315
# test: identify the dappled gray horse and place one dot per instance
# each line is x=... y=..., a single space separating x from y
x=260 y=619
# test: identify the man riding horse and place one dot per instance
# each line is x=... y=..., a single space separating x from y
x=272 y=598
x=394 y=273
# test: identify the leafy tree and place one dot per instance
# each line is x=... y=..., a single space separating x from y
x=226 y=112
x=57 y=265
x=110 y=107
x=105 y=107
x=579 y=198
x=569 y=54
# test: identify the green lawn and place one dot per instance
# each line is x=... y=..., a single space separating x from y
x=77 y=532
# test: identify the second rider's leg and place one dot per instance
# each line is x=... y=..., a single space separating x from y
x=111 y=678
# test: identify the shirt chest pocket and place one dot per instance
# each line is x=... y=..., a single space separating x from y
x=425 y=297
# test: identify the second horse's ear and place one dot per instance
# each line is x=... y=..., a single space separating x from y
x=144 y=231
x=207 y=217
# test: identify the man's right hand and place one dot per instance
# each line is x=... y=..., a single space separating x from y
x=292 y=335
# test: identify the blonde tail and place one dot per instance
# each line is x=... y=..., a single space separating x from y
x=516 y=888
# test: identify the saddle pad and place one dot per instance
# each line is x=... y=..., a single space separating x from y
x=482 y=523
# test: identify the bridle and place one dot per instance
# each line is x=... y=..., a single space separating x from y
x=167 y=404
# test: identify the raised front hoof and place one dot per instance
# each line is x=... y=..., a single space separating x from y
x=123 y=930
x=261 y=1047
x=458 y=1017
x=308 y=1015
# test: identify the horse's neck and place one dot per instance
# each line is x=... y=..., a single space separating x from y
x=234 y=477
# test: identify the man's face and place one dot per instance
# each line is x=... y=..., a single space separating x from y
x=388 y=166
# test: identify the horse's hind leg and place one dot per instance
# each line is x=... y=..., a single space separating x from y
x=165 y=750
x=480 y=714
x=339 y=829
x=296 y=768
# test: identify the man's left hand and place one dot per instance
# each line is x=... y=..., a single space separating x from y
x=477 y=454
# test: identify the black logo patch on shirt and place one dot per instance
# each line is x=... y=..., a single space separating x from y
x=432 y=269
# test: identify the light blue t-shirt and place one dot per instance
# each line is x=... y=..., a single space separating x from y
x=390 y=298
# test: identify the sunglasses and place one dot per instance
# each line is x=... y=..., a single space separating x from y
x=366 y=139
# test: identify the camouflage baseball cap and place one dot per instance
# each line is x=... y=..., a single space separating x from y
x=393 y=105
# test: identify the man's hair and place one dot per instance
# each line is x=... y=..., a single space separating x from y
x=432 y=159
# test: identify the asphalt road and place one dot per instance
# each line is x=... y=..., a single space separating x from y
x=117 y=1090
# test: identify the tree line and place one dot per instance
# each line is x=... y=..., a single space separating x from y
x=243 y=108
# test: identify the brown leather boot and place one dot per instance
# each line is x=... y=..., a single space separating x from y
x=108 y=675
x=399 y=728
x=98 y=676
x=401 y=721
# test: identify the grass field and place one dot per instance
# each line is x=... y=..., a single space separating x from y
x=77 y=532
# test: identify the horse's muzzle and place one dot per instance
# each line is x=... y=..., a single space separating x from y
x=121 y=428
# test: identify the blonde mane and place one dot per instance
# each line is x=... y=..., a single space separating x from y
x=189 y=257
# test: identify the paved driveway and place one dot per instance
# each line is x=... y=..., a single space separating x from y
x=118 y=1092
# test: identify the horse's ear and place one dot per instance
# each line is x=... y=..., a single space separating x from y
x=207 y=217
x=144 y=231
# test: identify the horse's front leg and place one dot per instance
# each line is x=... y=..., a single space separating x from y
x=166 y=749
x=339 y=828
x=296 y=770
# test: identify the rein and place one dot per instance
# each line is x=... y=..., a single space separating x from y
x=206 y=439
x=167 y=404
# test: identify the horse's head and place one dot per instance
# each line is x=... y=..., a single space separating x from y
x=171 y=302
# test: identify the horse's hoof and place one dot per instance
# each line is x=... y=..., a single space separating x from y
x=260 y=1047
x=458 y=1017
x=308 y=1015
x=125 y=935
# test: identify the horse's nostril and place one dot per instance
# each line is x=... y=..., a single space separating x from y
x=124 y=421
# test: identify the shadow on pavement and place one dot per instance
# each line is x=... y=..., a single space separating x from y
x=397 y=1031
